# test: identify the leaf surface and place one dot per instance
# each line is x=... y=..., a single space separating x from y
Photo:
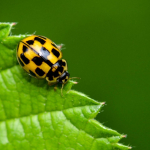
x=34 y=116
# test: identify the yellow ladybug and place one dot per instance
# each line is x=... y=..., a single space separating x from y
x=41 y=58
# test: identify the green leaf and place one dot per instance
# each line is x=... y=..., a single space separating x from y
x=34 y=116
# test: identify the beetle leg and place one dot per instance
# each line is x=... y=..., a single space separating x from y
x=62 y=89
x=55 y=87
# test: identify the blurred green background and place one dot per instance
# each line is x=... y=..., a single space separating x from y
x=107 y=44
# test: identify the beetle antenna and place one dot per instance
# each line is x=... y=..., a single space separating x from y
x=74 y=78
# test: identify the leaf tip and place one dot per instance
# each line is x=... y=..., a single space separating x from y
x=129 y=147
x=74 y=82
x=14 y=23
x=103 y=103
x=124 y=136
x=69 y=85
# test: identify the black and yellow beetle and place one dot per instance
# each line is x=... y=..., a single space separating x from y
x=41 y=58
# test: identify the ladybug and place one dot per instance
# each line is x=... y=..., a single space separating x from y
x=41 y=58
